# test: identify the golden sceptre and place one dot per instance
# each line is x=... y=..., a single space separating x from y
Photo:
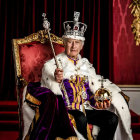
x=46 y=26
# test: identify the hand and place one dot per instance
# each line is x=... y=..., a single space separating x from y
x=103 y=105
x=58 y=75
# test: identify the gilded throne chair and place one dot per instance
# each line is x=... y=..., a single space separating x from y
x=30 y=54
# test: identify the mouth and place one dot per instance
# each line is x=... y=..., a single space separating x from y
x=73 y=50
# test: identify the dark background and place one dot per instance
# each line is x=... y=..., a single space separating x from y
x=19 y=18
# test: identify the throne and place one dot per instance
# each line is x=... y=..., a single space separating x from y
x=30 y=54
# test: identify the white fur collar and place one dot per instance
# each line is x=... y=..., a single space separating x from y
x=81 y=68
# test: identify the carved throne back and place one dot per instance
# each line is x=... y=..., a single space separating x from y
x=30 y=54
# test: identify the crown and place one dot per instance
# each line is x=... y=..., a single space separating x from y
x=74 y=29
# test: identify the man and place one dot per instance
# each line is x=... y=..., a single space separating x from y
x=108 y=123
x=76 y=81
x=69 y=89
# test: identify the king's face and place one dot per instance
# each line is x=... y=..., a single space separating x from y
x=73 y=47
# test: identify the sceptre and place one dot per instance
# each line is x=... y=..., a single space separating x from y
x=46 y=26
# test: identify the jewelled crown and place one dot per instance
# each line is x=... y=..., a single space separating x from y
x=74 y=29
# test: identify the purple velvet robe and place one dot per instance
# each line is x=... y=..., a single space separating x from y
x=53 y=120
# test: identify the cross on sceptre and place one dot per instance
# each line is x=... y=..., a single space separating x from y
x=46 y=23
x=102 y=80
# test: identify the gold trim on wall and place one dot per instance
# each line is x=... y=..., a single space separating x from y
x=129 y=86
x=135 y=5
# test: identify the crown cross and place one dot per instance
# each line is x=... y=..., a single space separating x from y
x=76 y=16
x=46 y=23
x=102 y=80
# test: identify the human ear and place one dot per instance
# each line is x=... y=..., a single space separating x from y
x=81 y=47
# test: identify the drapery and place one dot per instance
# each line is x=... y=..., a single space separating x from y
x=126 y=53
x=21 y=18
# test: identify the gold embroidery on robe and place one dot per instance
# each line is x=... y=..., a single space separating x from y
x=69 y=138
x=32 y=99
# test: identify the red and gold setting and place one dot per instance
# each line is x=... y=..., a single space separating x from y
x=30 y=55
x=110 y=47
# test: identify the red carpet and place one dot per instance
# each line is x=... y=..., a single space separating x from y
x=8 y=135
x=135 y=125
x=9 y=121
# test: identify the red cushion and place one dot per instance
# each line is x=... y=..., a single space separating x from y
x=32 y=58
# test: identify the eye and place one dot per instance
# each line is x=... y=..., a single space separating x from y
x=69 y=41
x=77 y=42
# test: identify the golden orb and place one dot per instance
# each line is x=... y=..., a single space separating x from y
x=102 y=94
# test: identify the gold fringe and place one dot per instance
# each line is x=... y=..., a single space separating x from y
x=88 y=130
x=32 y=99
x=37 y=114
x=69 y=138
x=27 y=137
x=89 y=133
x=36 y=117
x=72 y=120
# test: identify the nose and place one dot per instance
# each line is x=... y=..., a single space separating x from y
x=73 y=44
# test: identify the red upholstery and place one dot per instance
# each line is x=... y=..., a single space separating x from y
x=33 y=56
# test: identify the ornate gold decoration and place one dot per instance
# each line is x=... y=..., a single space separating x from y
x=37 y=115
x=89 y=133
x=127 y=98
x=102 y=94
x=72 y=120
x=74 y=124
x=69 y=138
x=42 y=37
x=136 y=22
x=32 y=99
x=21 y=82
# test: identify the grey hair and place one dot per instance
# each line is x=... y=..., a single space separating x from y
x=65 y=40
